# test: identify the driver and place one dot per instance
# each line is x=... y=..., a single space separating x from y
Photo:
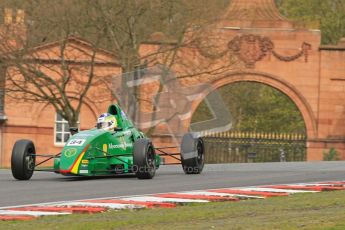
x=107 y=122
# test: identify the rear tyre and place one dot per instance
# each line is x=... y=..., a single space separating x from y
x=192 y=154
x=144 y=159
x=23 y=159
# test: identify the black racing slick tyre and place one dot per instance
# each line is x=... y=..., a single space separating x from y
x=23 y=159
x=144 y=159
x=192 y=154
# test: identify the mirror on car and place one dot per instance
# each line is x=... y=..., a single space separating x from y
x=73 y=130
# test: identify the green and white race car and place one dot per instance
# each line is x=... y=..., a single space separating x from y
x=113 y=147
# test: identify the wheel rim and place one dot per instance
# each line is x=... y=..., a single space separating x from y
x=200 y=150
x=30 y=160
x=150 y=159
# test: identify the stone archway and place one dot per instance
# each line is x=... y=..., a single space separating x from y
x=275 y=82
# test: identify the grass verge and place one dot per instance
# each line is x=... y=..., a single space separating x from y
x=303 y=211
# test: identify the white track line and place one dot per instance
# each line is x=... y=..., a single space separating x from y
x=161 y=199
x=263 y=189
x=312 y=184
x=103 y=205
x=31 y=213
x=207 y=193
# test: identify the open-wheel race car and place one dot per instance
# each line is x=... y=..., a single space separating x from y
x=113 y=147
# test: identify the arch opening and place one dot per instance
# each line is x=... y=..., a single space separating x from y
x=267 y=110
x=256 y=107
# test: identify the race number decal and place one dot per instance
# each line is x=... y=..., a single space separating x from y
x=76 y=142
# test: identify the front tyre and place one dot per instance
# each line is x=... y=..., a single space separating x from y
x=144 y=159
x=192 y=154
x=23 y=159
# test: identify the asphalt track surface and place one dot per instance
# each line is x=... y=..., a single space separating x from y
x=50 y=187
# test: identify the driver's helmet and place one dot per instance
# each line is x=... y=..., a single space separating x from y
x=107 y=122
